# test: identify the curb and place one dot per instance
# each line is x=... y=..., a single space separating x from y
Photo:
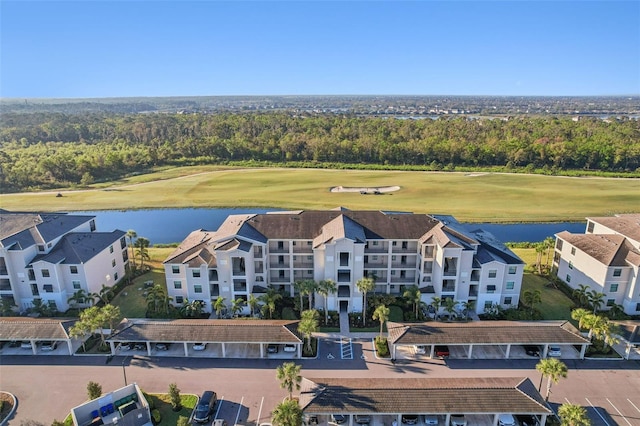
x=13 y=409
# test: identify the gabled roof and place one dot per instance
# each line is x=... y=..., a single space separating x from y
x=421 y=395
x=79 y=247
x=26 y=328
x=26 y=229
x=608 y=249
x=339 y=228
x=624 y=224
x=629 y=331
x=484 y=332
x=194 y=242
x=207 y=330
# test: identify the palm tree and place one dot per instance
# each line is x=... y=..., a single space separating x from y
x=531 y=298
x=310 y=287
x=105 y=294
x=220 y=306
x=468 y=306
x=270 y=298
x=142 y=244
x=298 y=287
x=582 y=316
x=549 y=243
x=109 y=315
x=365 y=285
x=237 y=305
x=582 y=294
x=131 y=234
x=436 y=302
x=596 y=299
x=79 y=297
x=289 y=376
x=287 y=413
x=308 y=325
x=553 y=369
x=573 y=415
x=604 y=330
x=540 y=249
x=381 y=314
x=253 y=303
x=450 y=306
x=325 y=288
x=155 y=297
x=413 y=295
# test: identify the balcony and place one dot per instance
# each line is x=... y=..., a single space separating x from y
x=4 y=271
x=279 y=264
x=302 y=247
x=278 y=279
x=5 y=285
x=279 y=248
x=307 y=264
x=257 y=251
x=379 y=248
x=475 y=275
x=448 y=286
x=473 y=291
x=403 y=280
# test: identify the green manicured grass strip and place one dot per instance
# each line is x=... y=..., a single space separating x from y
x=467 y=196
x=162 y=402
x=555 y=305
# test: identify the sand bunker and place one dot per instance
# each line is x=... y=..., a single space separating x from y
x=365 y=190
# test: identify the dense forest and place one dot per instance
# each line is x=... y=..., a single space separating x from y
x=48 y=150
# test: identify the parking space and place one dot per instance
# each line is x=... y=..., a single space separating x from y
x=41 y=348
x=611 y=411
x=242 y=410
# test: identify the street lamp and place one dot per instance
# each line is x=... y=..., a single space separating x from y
x=124 y=371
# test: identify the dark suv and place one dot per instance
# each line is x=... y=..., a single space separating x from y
x=203 y=410
x=532 y=350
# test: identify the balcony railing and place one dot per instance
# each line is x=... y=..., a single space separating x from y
x=449 y=289
x=280 y=279
x=403 y=280
x=279 y=265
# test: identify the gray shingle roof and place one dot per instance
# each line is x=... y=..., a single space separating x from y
x=79 y=247
x=608 y=249
x=27 y=229
x=484 y=332
x=26 y=328
x=625 y=224
x=421 y=395
x=208 y=330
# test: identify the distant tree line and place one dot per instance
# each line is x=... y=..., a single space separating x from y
x=48 y=150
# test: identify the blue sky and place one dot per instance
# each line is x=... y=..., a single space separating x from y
x=181 y=48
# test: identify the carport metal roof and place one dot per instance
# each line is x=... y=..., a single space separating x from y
x=421 y=395
x=485 y=332
x=209 y=331
x=27 y=328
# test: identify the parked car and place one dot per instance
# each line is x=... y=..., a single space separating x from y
x=272 y=349
x=420 y=349
x=409 y=419
x=48 y=346
x=220 y=422
x=162 y=346
x=125 y=346
x=362 y=419
x=532 y=350
x=202 y=412
x=458 y=420
x=199 y=346
x=506 y=420
x=442 y=351
x=26 y=345
x=554 y=351
x=338 y=418
x=140 y=347
x=431 y=420
x=311 y=420
x=290 y=348
x=14 y=344
x=526 y=420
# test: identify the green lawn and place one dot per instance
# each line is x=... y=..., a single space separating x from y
x=163 y=403
x=555 y=305
x=527 y=198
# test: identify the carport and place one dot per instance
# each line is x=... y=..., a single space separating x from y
x=222 y=336
x=505 y=334
x=391 y=398
x=35 y=330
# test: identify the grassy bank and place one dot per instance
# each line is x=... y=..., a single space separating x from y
x=468 y=196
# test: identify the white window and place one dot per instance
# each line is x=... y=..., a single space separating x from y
x=175 y=269
x=47 y=288
x=113 y=263
x=177 y=285
x=493 y=273
x=507 y=300
x=617 y=272
x=568 y=278
x=196 y=273
x=110 y=249
x=76 y=285
x=570 y=265
x=510 y=285
x=491 y=288
x=73 y=269
x=179 y=300
x=45 y=273
x=513 y=269
x=197 y=288
x=613 y=288
x=573 y=251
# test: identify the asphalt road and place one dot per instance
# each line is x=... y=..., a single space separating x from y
x=47 y=387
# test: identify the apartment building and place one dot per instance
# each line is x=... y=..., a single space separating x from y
x=606 y=258
x=436 y=253
x=49 y=256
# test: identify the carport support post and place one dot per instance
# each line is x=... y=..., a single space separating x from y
x=113 y=348
x=394 y=352
x=470 y=350
x=70 y=346
x=506 y=355
x=399 y=419
x=261 y=350
x=224 y=350
x=495 y=419
x=447 y=419
x=186 y=349
x=543 y=420
x=583 y=350
x=299 y=350
x=433 y=350
x=627 y=351
x=148 y=348
x=545 y=350
x=34 y=347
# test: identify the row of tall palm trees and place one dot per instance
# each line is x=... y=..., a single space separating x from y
x=82 y=297
x=599 y=326
x=139 y=248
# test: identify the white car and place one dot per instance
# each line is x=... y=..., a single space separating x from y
x=199 y=346
x=431 y=420
x=554 y=351
x=458 y=420
x=48 y=346
x=290 y=348
x=506 y=420
x=420 y=349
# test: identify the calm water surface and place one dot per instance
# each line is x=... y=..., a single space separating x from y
x=163 y=226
